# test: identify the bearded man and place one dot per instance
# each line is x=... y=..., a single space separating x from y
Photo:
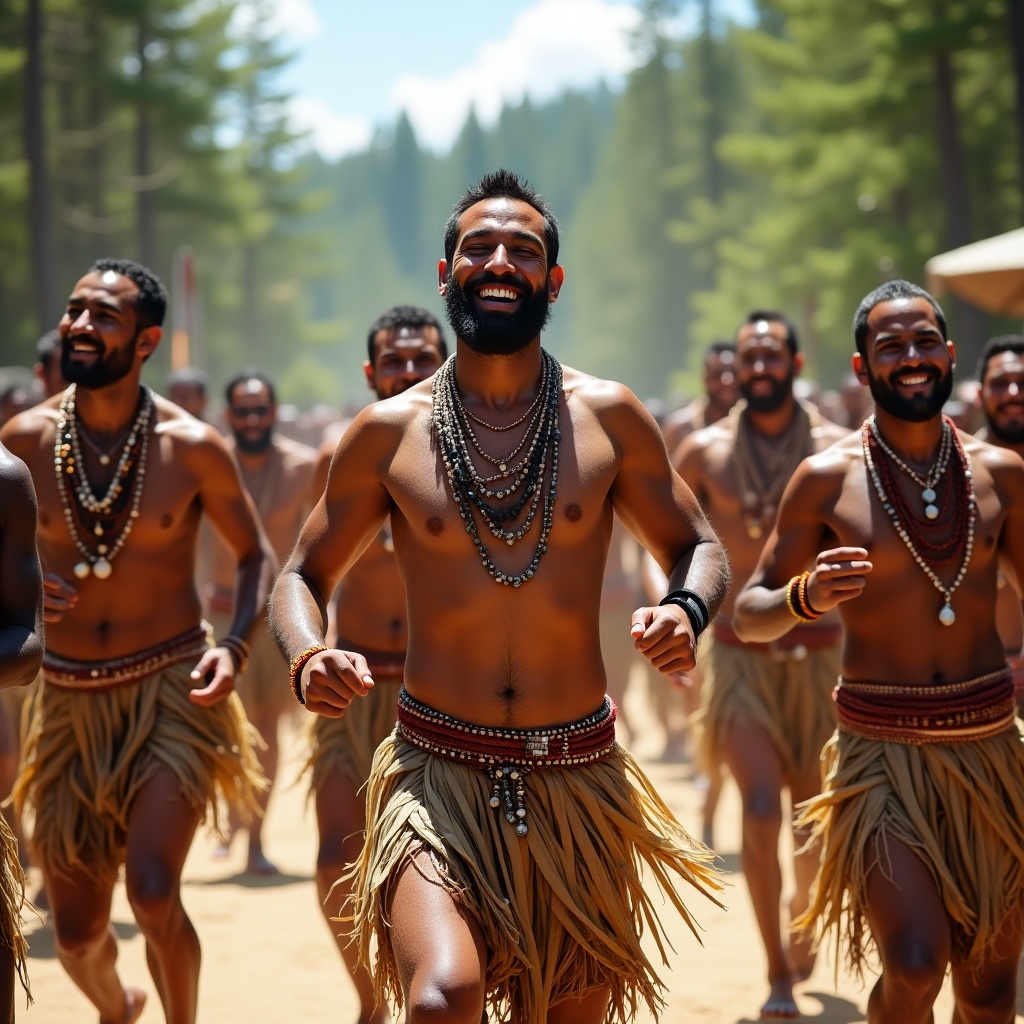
x=506 y=827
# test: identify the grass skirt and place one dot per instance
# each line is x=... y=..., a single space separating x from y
x=790 y=701
x=87 y=754
x=561 y=909
x=958 y=806
x=12 y=902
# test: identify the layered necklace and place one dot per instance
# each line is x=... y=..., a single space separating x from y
x=955 y=516
x=96 y=518
x=763 y=468
x=528 y=475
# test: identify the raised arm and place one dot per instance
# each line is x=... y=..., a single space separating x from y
x=660 y=510
x=341 y=525
x=21 y=578
x=761 y=612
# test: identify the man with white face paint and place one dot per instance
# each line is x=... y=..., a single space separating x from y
x=766 y=709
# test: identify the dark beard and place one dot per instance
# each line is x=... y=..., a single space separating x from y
x=1013 y=435
x=918 y=409
x=496 y=334
x=771 y=402
x=103 y=372
x=254 y=446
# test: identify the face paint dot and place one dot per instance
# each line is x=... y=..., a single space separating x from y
x=109 y=277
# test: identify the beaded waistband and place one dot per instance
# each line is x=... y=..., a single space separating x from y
x=70 y=674
x=384 y=666
x=508 y=755
x=791 y=647
x=944 y=713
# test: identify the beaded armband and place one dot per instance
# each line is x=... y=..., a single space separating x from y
x=797 y=600
x=297 y=664
x=239 y=649
x=694 y=606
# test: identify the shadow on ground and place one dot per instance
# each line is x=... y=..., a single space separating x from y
x=833 y=1010
x=252 y=881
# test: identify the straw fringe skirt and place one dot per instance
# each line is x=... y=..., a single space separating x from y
x=87 y=754
x=958 y=806
x=345 y=746
x=12 y=903
x=790 y=701
x=561 y=909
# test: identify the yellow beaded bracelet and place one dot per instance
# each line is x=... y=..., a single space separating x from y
x=296 y=666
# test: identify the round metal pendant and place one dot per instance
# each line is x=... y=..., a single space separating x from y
x=931 y=511
x=947 y=616
x=102 y=568
x=928 y=495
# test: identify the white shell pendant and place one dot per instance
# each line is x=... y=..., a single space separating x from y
x=931 y=511
x=947 y=616
x=102 y=569
x=928 y=495
x=82 y=570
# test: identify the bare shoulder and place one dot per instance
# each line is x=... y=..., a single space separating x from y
x=296 y=455
x=623 y=417
x=825 y=472
x=1005 y=467
x=383 y=425
x=828 y=433
x=15 y=482
x=23 y=433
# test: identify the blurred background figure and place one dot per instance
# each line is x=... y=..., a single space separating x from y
x=189 y=387
x=47 y=368
x=721 y=392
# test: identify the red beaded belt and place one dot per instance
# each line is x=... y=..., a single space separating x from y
x=946 y=713
x=384 y=666
x=791 y=647
x=508 y=754
x=70 y=674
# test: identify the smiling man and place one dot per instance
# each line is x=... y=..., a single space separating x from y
x=903 y=528
x=135 y=734
x=766 y=709
x=507 y=829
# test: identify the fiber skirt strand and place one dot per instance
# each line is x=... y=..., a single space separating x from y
x=561 y=909
x=12 y=902
x=790 y=701
x=958 y=806
x=87 y=754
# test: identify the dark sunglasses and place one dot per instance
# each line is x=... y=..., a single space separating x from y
x=252 y=410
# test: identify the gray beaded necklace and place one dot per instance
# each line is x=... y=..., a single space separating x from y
x=524 y=478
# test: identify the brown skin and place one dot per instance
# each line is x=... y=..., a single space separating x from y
x=831 y=518
x=486 y=653
x=21 y=627
x=722 y=389
x=370 y=607
x=279 y=481
x=149 y=598
x=705 y=461
x=1002 y=402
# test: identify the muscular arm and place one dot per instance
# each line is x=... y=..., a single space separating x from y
x=21 y=579
x=1008 y=474
x=794 y=545
x=660 y=510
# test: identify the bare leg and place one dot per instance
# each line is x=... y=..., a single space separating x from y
x=439 y=949
x=805 y=867
x=990 y=995
x=757 y=769
x=909 y=925
x=588 y=1010
x=711 y=797
x=340 y=815
x=266 y=723
x=160 y=830
x=80 y=909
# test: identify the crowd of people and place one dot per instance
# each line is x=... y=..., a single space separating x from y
x=449 y=587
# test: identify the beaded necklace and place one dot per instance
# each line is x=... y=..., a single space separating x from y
x=929 y=481
x=894 y=506
x=525 y=477
x=84 y=512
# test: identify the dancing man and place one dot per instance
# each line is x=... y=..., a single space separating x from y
x=135 y=731
x=506 y=829
x=903 y=527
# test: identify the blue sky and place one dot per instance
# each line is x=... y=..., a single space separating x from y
x=359 y=62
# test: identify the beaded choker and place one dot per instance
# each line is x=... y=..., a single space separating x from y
x=520 y=475
x=87 y=515
x=959 y=503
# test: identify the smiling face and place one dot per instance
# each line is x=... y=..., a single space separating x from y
x=251 y=415
x=402 y=358
x=1002 y=397
x=720 y=381
x=908 y=365
x=101 y=341
x=498 y=288
x=765 y=365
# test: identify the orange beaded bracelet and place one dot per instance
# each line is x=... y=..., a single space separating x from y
x=297 y=664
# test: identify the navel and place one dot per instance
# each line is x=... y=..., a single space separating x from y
x=573 y=512
x=435 y=526
x=166 y=520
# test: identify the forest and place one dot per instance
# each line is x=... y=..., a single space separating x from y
x=793 y=163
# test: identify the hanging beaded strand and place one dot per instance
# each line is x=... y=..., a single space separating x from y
x=930 y=480
x=470 y=488
x=946 y=615
x=125 y=490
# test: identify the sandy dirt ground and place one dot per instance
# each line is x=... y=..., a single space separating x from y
x=268 y=957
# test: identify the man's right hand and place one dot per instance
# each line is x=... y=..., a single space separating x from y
x=59 y=597
x=839 y=575
x=331 y=680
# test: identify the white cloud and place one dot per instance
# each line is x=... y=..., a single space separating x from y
x=331 y=134
x=551 y=46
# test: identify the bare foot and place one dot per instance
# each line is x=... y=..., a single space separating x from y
x=801 y=954
x=135 y=1002
x=259 y=865
x=781 y=1005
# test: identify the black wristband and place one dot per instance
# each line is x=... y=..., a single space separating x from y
x=694 y=606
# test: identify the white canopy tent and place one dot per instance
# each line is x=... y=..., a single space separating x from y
x=988 y=274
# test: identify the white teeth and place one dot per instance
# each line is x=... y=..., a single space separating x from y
x=914 y=380
x=497 y=293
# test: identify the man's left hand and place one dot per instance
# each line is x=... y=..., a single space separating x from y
x=664 y=636
x=217 y=668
